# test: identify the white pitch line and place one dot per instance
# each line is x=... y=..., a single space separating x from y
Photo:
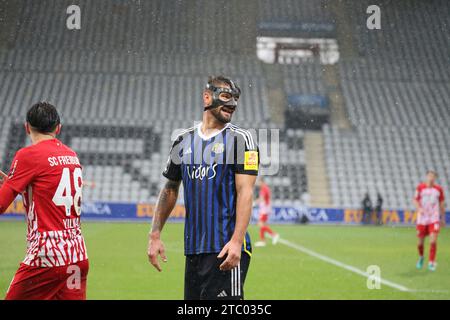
x=341 y=264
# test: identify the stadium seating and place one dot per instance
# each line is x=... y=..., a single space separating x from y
x=406 y=34
x=123 y=96
x=396 y=102
x=156 y=63
x=101 y=77
x=389 y=160
x=303 y=79
x=155 y=26
x=396 y=96
x=4 y=137
x=294 y=10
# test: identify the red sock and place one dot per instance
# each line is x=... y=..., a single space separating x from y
x=263 y=230
x=420 y=247
x=269 y=231
x=261 y=233
x=432 y=251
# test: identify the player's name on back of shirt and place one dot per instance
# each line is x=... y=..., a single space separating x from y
x=72 y=223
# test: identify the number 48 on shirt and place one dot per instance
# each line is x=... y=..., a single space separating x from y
x=63 y=195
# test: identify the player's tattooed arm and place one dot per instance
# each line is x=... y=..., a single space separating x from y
x=166 y=202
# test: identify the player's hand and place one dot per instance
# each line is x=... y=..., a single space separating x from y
x=443 y=222
x=233 y=252
x=155 y=249
x=3 y=177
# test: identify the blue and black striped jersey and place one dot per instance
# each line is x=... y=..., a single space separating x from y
x=207 y=167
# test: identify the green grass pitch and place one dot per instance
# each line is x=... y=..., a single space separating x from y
x=119 y=268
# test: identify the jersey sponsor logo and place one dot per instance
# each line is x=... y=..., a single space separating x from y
x=251 y=160
x=200 y=172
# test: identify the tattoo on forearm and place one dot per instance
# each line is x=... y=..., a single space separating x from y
x=166 y=201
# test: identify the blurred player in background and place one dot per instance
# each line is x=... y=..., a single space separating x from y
x=48 y=175
x=379 y=209
x=218 y=164
x=429 y=202
x=265 y=209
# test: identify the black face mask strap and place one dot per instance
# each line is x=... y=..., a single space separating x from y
x=215 y=97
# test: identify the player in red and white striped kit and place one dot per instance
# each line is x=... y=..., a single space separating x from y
x=48 y=175
x=429 y=202
x=265 y=209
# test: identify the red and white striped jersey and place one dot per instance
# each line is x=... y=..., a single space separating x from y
x=429 y=198
x=265 y=204
x=49 y=177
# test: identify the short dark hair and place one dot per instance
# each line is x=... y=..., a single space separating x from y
x=218 y=80
x=43 y=117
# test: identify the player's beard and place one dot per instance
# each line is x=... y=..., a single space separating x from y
x=217 y=113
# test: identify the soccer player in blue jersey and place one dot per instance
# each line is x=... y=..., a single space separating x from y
x=217 y=162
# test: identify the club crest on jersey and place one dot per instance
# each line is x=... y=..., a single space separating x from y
x=218 y=147
x=251 y=160
x=200 y=172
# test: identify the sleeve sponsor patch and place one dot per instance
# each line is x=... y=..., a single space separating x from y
x=251 y=160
